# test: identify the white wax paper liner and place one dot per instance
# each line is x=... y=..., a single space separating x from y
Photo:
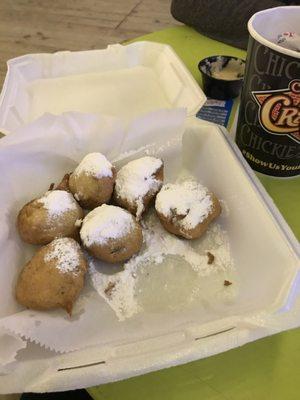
x=44 y=151
x=10 y=344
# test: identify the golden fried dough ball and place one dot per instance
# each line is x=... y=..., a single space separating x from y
x=54 y=277
x=111 y=234
x=53 y=215
x=186 y=209
x=92 y=182
x=137 y=183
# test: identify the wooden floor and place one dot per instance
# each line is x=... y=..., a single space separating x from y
x=31 y=26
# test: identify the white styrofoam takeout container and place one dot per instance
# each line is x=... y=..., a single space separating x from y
x=121 y=80
x=265 y=251
x=266 y=259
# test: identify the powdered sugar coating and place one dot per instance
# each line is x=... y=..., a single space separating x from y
x=188 y=199
x=136 y=179
x=95 y=164
x=57 y=202
x=105 y=223
x=66 y=253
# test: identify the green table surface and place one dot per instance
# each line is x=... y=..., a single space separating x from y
x=267 y=369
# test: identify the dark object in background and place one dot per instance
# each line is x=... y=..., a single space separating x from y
x=216 y=87
x=69 y=395
x=222 y=20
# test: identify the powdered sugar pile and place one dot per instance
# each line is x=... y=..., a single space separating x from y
x=136 y=179
x=117 y=289
x=158 y=243
x=57 y=202
x=104 y=223
x=144 y=274
x=189 y=199
x=95 y=164
x=66 y=253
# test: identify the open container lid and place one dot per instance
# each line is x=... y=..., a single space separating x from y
x=265 y=252
x=124 y=81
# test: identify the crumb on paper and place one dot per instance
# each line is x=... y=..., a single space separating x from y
x=227 y=283
x=211 y=257
x=110 y=287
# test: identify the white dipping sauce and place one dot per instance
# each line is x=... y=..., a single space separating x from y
x=233 y=70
